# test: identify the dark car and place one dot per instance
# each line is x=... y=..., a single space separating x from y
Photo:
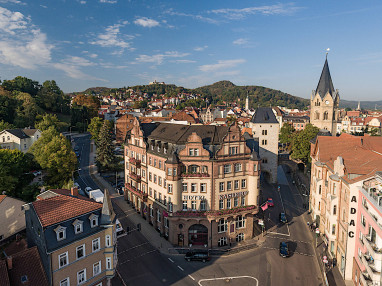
x=196 y=255
x=284 y=249
x=283 y=218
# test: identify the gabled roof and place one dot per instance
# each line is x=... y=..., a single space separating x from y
x=325 y=84
x=29 y=131
x=107 y=214
x=27 y=263
x=264 y=115
x=19 y=133
x=61 y=207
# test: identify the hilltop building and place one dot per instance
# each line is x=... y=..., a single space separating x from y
x=75 y=237
x=20 y=139
x=196 y=184
x=324 y=103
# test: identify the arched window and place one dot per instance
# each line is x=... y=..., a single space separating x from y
x=317 y=115
x=326 y=115
x=193 y=169
x=335 y=209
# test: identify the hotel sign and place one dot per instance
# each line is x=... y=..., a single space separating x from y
x=193 y=198
x=233 y=195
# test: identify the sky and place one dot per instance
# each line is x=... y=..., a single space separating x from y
x=116 y=43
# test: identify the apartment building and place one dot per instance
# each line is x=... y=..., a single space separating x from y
x=265 y=128
x=196 y=184
x=340 y=165
x=75 y=237
x=367 y=266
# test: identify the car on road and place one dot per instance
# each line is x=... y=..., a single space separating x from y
x=118 y=227
x=197 y=255
x=36 y=173
x=87 y=190
x=283 y=218
x=77 y=153
x=76 y=148
x=284 y=249
x=270 y=202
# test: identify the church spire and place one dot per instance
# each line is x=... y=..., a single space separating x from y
x=325 y=84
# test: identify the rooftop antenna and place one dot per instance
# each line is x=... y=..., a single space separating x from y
x=327 y=52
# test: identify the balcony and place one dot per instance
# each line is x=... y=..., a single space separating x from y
x=372 y=248
x=135 y=191
x=365 y=279
x=213 y=214
x=195 y=175
x=135 y=177
x=135 y=162
x=370 y=267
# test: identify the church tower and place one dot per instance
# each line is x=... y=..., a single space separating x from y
x=324 y=103
x=247 y=103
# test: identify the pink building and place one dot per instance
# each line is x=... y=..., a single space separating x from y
x=367 y=264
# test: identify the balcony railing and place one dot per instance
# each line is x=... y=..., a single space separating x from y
x=135 y=177
x=196 y=175
x=216 y=213
x=135 y=162
x=136 y=192
x=373 y=249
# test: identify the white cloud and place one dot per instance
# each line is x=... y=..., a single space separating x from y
x=93 y=56
x=236 y=14
x=83 y=2
x=159 y=58
x=112 y=38
x=184 y=61
x=108 y=1
x=240 y=41
x=222 y=64
x=21 y=43
x=146 y=22
x=199 y=49
x=171 y=12
x=11 y=1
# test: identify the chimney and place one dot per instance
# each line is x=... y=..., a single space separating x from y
x=9 y=262
x=74 y=191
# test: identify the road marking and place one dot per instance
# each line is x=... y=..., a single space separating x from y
x=139 y=245
x=282 y=203
x=171 y=260
x=300 y=253
x=129 y=260
x=191 y=277
x=307 y=242
x=278 y=233
x=228 y=278
x=180 y=268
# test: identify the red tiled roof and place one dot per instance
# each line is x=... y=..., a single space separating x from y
x=2 y=197
x=60 y=208
x=27 y=263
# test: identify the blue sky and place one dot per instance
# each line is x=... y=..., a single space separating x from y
x=116 y=43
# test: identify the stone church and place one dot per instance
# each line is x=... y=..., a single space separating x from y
x=324 y=103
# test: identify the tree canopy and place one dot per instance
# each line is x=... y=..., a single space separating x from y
x=95 y=127
x=106 y=158
x=301 y=143
x=49 y=120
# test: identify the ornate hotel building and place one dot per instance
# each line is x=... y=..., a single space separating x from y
x=196 y=184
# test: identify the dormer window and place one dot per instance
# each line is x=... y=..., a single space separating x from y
x=93 y=220
x=78 y=226
x=60 y=233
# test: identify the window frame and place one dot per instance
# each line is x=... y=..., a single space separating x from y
x=83 y=251
x=98 y=240
x=84 y=276
x=66 y=255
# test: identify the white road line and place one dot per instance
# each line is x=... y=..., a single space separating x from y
x=180 y=268
x=139 y=245
x=228 y=278
x=129 y=260
x=191 y=277
x=171 y=260
x=282 y=203
x=279 y=233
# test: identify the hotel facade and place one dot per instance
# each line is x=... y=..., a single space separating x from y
x=196 y=184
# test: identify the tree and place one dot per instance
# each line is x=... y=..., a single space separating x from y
x=51 y=97
x=26 y=110
x=105 y=155
x=5 y=125
x=14 y=172
x=50 y=120
x=301 y=143
x=22 y=84
x=286 y=133
x=54 y=154
x=8 y=106
x=95 y=127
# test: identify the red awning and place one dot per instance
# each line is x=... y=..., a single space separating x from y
x=264 y=206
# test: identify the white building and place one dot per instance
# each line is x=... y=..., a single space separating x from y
x=19 y=139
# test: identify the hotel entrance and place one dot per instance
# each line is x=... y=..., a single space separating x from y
x=198 y=234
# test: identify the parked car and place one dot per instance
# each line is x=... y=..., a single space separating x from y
x=270 y=202
x=77 y=153
x=87 y=190
x=283 y=218
x=36 y=173
x=284 y=249
x=119 y=228
x=197 y=255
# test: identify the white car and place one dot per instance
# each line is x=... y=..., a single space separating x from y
x=87 y=190
x=119 y=229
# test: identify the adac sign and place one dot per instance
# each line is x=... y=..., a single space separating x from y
x=353 y=211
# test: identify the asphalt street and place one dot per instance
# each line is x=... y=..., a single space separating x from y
x=140 y=263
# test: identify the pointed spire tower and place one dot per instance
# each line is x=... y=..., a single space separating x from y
x=247 y=102
x=359 y=105
x=107 y=214
x=324 y=102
